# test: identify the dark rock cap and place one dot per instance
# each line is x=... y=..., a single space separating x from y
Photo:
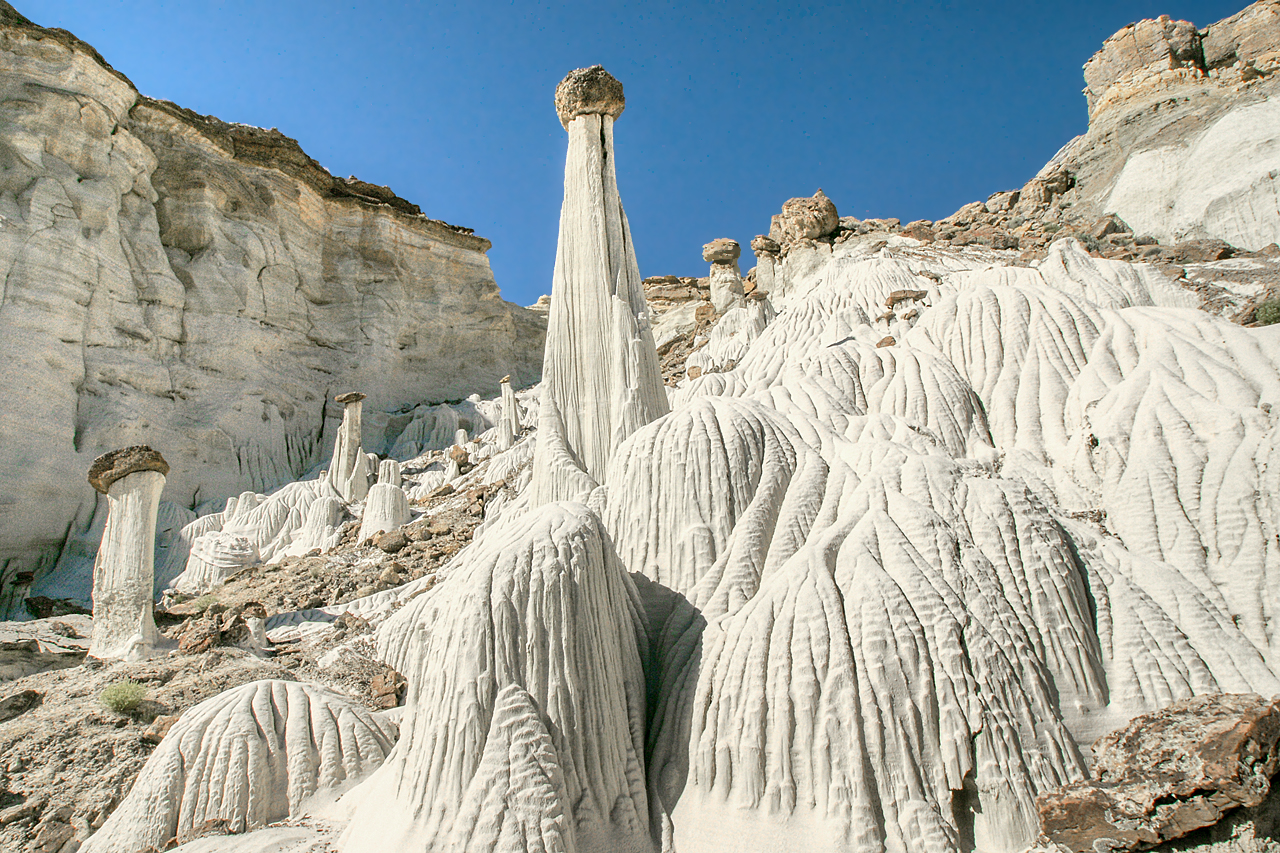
x=721 y=250
x=254 y=609
x=589 y=91
x=766 y=245
x=349 y=397
x=109 y=467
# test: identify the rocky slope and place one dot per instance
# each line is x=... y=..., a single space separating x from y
x=1179 y=163
x=205 y=287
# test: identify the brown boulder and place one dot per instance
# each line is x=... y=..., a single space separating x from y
x=391 y=541
x=589 y=91
x=903 y=295
x=763 y=244
x=1169 y=773
x=803 y=218
x=722 y=250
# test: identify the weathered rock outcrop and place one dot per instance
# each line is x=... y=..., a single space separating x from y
x=246 y=758
x=124 y=573
x=1168 y=774
x=204 y=287
x=1184 y=134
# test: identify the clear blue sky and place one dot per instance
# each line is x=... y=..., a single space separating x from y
x=906 y=109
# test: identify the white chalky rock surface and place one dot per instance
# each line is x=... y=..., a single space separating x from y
x=539 y=602
x=870 y=628
x=389 y=472
x=516 y=801
x=249 y=756
x=386 y=508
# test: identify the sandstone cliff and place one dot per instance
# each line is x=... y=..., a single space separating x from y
x=204 y=287
x=1184 y=137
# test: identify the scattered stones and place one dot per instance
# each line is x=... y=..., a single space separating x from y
x=887 y=341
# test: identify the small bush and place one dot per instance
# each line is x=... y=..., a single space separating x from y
x=1268 y=312
x=122 y=697
x=204 y=602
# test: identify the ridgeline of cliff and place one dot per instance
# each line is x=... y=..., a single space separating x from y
x=204 y=287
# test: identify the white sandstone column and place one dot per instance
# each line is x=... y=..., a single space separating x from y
x=347 y=471
x=600 y=368
x=389 y=472
x=726 y=278
x=509 y=424
x=767 y=251
x=124 y=571
x=387 y=508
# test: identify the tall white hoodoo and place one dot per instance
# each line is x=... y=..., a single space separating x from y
x=124 y=571
x=600 y=368
x=348 y=471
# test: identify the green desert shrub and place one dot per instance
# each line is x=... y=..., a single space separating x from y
x=204 y=602
x=122 y=697
x=1268 y=312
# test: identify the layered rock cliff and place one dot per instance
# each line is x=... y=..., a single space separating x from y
x=204 y=287
x=1184 y=137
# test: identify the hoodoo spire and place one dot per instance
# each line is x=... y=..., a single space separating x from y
x=600 y=369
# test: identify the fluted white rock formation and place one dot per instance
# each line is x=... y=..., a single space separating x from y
x=516 y=800
x=538 y=603
x=509 y=427
x=600 y=371
x=870 y=628
x=249 y=756
x=215 y=557
x=389 y=473
x=124 y=571
x=348 y=469
x=386 y=508
x=322 y=528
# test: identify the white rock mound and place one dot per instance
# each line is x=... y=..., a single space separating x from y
x=542 y=603
x=249 y=757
